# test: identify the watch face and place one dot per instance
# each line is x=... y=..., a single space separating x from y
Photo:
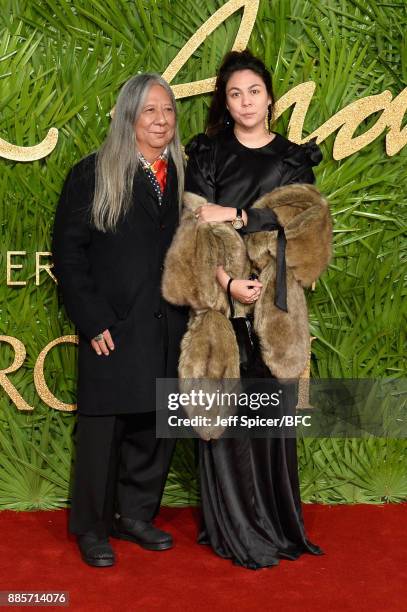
x=238 y=223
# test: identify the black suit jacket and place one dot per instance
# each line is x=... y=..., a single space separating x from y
x=112 y=281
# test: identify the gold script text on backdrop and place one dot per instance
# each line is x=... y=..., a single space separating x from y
x=53 y=402
x=347 y=119
x=12 y=267
x=39 y=379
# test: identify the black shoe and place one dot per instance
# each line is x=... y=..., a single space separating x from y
x=96 y=552
x=142 y=533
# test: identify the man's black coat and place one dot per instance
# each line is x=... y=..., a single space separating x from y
x=112 y=281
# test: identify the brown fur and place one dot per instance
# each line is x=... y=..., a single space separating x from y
x=209 y=348
x=191 y=261
x=284 y=337
x=306 y=219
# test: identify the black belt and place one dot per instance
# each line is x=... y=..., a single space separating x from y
x=280 y=297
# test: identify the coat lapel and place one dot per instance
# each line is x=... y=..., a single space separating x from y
x=143 y=194
x=170 y=196
x=150 y=202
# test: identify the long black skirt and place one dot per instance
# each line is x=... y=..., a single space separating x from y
x=251 y=504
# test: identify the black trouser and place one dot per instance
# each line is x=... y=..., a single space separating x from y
x=120 y=467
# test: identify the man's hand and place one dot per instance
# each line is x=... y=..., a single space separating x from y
x=102 y=343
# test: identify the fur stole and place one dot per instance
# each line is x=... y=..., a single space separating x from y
x=209 y=348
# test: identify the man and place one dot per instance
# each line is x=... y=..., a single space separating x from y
x=117 y=214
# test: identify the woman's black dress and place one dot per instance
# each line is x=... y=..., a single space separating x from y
x=251 y=502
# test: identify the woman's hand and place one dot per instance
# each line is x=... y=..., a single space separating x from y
x=102 y=343
x=213 y=213
x=245 y=291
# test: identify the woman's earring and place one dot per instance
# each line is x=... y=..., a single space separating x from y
x=227 y=118
x=269 y=117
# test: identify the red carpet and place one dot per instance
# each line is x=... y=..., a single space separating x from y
x=364 y=567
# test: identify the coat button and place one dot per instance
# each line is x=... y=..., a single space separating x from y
x=162 y=226
x=158 y=314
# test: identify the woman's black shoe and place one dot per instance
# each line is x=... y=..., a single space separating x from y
x=96 y=552
x=142 y=533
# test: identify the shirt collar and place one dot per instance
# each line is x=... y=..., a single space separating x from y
x=147 y=164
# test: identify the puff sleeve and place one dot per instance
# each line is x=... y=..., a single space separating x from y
x=298 y=163
x=297 y=168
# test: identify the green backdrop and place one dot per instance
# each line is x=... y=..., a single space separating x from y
x=62 y=63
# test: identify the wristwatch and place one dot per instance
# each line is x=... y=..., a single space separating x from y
x=237 y=222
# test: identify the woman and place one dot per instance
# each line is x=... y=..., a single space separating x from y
x=250 y=490
x=115 y=220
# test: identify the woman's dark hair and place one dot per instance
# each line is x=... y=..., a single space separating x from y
x=218 y=115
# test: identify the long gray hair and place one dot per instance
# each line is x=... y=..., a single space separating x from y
x=117 y=160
